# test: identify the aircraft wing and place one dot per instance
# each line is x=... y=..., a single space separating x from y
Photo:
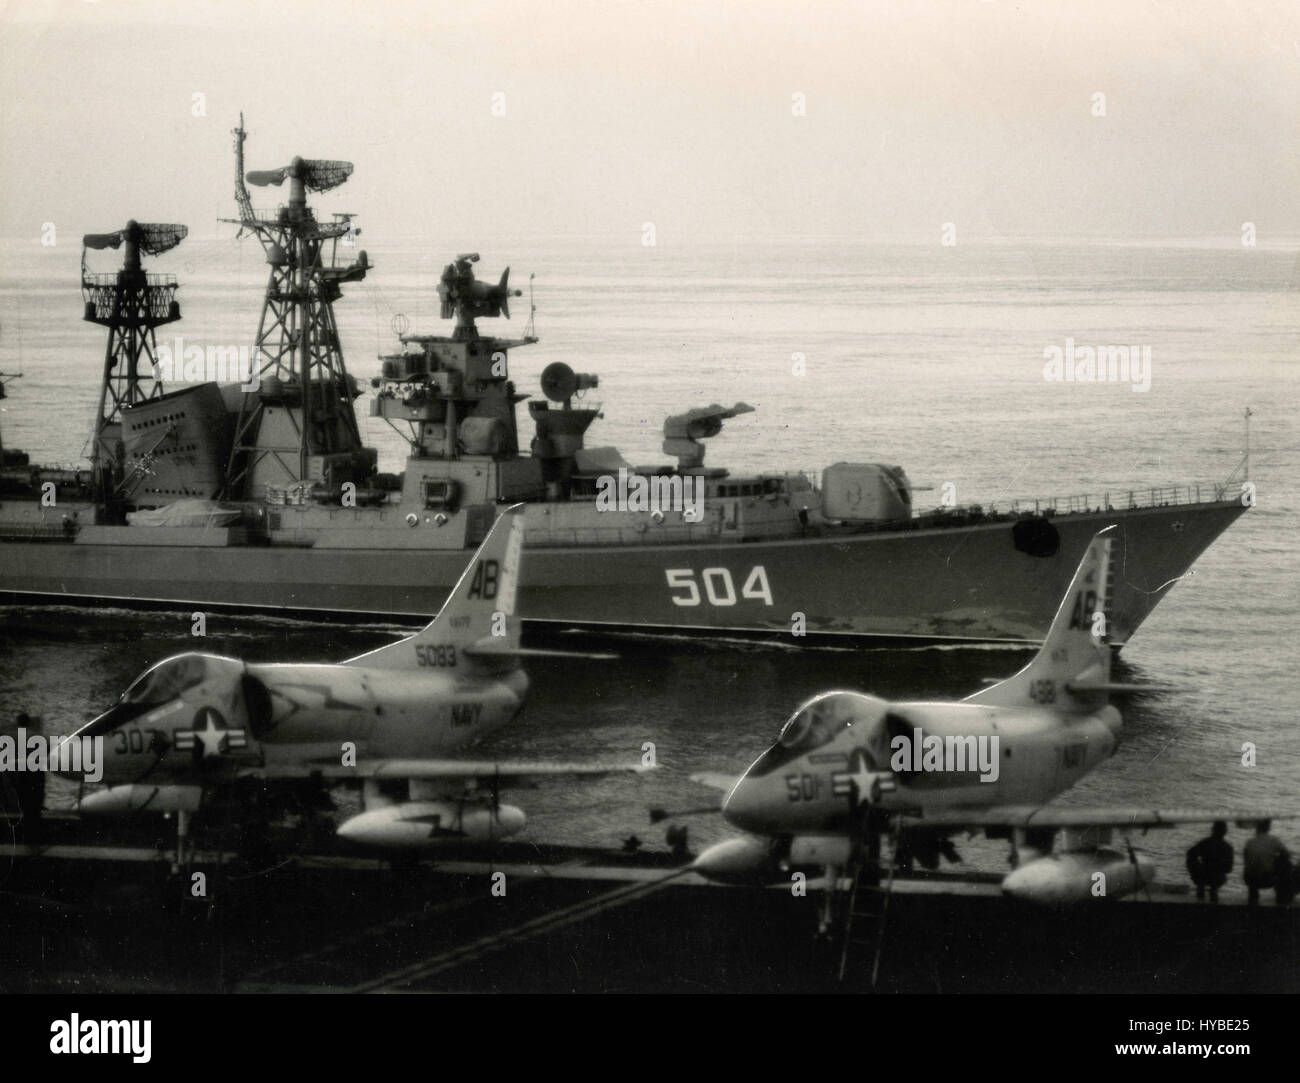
x=715 y=780
x=1029 y=816
x=488 y=772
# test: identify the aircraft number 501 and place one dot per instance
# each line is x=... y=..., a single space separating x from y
x=719 y=588
x=429 y=655
x=803 y=787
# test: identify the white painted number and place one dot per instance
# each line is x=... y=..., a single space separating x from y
x=724 y=596
x=680 y=578
x=756 y=586
x=719 y=587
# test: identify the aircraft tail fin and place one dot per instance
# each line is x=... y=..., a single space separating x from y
x=1071 y=671
x=478 y=626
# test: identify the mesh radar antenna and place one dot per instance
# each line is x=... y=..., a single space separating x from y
x=132 y=305
x=461 y=295
x=297 y=423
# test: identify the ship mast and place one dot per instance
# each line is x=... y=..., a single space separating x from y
x=132 y=305
x=297 y=424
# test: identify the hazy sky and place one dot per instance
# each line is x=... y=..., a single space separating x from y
x=975 y=112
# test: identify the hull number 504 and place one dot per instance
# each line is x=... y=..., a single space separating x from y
x=717 y=586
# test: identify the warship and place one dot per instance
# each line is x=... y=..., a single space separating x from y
x=258 y=494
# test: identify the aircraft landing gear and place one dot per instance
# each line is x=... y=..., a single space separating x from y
x=832 y=897
x=181 y=859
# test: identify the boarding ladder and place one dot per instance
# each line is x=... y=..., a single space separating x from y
x=868 y=902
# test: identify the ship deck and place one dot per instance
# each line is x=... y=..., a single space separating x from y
x=106 y=915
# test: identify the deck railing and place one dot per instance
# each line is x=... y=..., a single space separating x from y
x=89 y=281
x=931 y=519
x=1107 y=500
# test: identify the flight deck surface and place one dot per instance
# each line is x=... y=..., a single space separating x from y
x=521 y=917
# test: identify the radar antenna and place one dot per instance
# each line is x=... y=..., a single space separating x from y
x=132 y=305
x=464 y=297
x=297 y=358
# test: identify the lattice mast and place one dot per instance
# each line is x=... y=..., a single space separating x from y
x=298 y=424
x=132 y=305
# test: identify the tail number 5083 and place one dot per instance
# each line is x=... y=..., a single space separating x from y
x=718 y=586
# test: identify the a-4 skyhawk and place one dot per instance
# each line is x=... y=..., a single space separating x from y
x=848 y=767
x=198 y=724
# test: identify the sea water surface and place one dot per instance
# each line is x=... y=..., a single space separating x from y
x=848 y=350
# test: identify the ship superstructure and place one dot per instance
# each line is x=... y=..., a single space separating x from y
x=259 y=493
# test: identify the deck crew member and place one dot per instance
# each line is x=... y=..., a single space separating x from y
x=22 y=793
x=1210 y=861
x=1265 y=864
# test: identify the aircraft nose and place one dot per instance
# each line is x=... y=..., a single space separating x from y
x=743 y=807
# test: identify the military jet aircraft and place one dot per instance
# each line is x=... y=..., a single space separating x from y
x=847 y=766
x=198 y=724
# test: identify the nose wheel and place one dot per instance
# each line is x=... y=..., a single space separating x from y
x=832 y=901
x=183 y=854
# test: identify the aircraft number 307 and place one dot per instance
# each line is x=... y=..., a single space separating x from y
x=718 y=586
x=133 y=740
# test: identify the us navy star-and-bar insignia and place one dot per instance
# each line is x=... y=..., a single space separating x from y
x=209 y=735
x=860 y=782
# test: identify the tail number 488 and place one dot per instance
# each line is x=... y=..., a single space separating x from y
x=719 y=588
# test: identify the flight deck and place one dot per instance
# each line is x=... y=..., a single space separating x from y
x=112 y=915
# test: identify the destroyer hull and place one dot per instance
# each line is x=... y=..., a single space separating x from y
x=957 y=583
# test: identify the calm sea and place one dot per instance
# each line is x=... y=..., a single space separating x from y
x=920 y=355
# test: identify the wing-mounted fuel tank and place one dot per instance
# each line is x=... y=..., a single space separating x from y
x=427 y=825
x=749 y=859
x=1079 y=877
